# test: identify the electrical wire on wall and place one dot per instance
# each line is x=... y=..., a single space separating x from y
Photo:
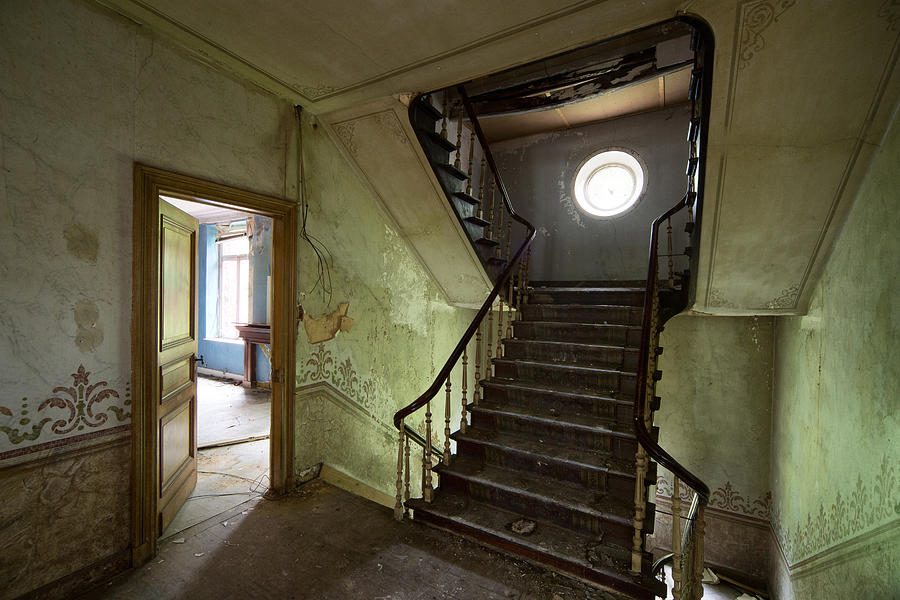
x=323 y=255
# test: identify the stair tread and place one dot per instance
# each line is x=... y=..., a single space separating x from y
x=511 y=384
x=432 y=110
x=459 y=174
x=563 y=366
x=583 y=305
x=586 y=289
x=584 y=422
x=577 y=456
x=547 y=539
x=487 y=242
x=576 y=345
x=440 y=140
x=467 y=198
x=475 y=220
x=577 y=324
x=541 y=489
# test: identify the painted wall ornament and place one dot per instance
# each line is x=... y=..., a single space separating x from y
x=756 y=18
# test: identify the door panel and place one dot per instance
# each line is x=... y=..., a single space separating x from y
x=176 y=404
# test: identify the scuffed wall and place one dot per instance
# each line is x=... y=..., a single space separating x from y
x=403 y=330
x=836 y=510
x=85 y=94
x=715 y=419
x=539 y=171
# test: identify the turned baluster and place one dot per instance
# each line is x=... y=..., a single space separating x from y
x=427 y=488
x=527 y=274
x=476 y=393
x=508 y=237
x=676 y=540
x=463 y=423
x=459 y=127
x=499 y=228
x=699 y=526
x=447 y=425
x=671 y=264
x=520 y=278
x=488 y=369
x=398 y=506
x=406 y=471
x=471 y=155
x=637 y=541
x=509 y=300
x=444 y=117
x=490 y=218
x=499 y=351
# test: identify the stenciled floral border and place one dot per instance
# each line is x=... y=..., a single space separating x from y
x=725 y=497
x=69 y=410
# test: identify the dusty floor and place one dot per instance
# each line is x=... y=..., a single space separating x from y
x=226 y=477
x=230 y=412
x=324 y=543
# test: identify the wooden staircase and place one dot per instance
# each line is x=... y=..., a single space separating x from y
x=546 y=469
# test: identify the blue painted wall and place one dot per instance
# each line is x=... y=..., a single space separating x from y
x=219 y=356
x=260 y=269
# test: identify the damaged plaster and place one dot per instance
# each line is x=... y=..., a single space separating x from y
x=327 y=326
x=81 y=242
x=89 y=334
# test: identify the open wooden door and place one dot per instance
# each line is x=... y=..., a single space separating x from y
x=176 y=401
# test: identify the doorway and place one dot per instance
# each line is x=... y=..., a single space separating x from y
x=204 y=421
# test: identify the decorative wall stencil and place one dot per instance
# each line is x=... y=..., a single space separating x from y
x=716 y=298
x=346 y=132
x=724 y=498
x=787 y=299
x=866 y=505
x=388 y=119
x=81 y=403
x=320 y=366
x=314 y=92
x=890 y=12
x=756 y=17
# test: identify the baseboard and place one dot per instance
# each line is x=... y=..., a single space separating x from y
x=350 y=484
x=83 y=579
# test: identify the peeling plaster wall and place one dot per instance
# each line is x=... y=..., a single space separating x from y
x=350 y=387
x=85 y=94
x=836 y=510
x=715 y=419
x=539 y=171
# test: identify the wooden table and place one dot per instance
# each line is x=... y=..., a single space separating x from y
x=252 y=334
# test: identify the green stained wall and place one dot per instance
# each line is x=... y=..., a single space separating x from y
x=715 y=412
x=836 y=399
x=404 y=329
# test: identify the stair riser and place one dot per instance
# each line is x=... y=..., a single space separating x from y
x=612 y=336
x=594 y=478
x=611 y=383
x=583 y=356
x=549 y=404
x=562 y=435
x=529 y=506
x=621 y=298
x=582 y=314
x=433 y=150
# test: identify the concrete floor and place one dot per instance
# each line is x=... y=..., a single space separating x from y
x=227 y=412
x=324 y=543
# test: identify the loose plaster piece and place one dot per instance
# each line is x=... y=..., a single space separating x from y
x=89 y=335
x=326 y=327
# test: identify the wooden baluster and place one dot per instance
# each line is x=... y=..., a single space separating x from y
x=671 y=264
x=499 y=229
x=463 y=423
x=447 y=425
x=509 y=300
x=398 y=506
x=427 y=488
x=469 y=180
x=699 y=531
x=508 y=237
x=676 y=540
x=489 y=365
x=640 y=507
x=406 y=476
x=476 y=393
x=489 y=229
x=444 y=117
x=481 y=212
x=527 y=274
x=520 y=279
x=499 y=350
x=459 y=127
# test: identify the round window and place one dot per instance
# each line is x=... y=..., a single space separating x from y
x=609 y=183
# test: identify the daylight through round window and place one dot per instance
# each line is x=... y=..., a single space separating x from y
x=609 y=183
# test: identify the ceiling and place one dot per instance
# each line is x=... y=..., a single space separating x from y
x=206 y=213
x=801 y=97
x=655 y=93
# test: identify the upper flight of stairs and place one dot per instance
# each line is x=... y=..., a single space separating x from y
x=551 y=441
x=426 y=119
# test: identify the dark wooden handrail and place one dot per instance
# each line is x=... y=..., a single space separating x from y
x=444 y=373
x=646 y=440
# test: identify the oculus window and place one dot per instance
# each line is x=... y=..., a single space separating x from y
x=609 y=183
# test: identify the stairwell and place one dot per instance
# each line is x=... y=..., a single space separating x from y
x=546 y=467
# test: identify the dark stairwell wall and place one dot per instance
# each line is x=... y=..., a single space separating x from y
x=539 y=171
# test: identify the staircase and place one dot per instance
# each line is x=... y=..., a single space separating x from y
x=546 y=467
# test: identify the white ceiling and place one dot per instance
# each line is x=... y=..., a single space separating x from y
x=206 y=213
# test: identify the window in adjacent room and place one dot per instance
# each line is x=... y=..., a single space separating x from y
x=234 y=280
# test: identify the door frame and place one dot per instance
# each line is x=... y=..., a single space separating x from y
x=149 y=183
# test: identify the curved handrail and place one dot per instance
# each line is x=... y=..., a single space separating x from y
x=444 y=373
x=646 y=440
x=660 y=562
